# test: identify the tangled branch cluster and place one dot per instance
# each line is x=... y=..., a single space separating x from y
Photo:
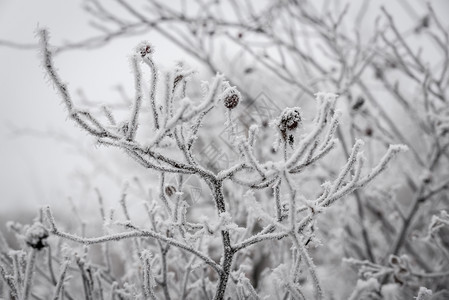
x=171 y=255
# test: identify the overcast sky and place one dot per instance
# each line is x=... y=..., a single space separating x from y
x=38 y=170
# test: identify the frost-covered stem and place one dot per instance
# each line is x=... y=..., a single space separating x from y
x=397 y=245
x=260 y=238
x=310 y=265
x=60 y=284
x=168 y=109
x=310 y=138
x=83 y=118
x=164 y=267
x=249 y=287
x=196 y=127
x=99 y=291
x=86 y=279
x=148 y=278
x=420 y=197
x=348 y=167
x=10 y=282
x=29 y=274
x=127 y=216
x=154 y=70
x=186 y=279
x=18 y=273
x=128 y=235
x=182 y=145
x=248 y=152
x=50 y=265
x=228 y=251
x=148 y=289
x=294 y=291
x=277 y=198
x=360 y=211
x=133 y=121
x=178 y=200
x=292 y=202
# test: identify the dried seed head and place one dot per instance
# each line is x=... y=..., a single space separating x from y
x=170 y=190
x=291 y=119
x=230 y=96
x=231 y=101
x=145 y=49
x=36 y=236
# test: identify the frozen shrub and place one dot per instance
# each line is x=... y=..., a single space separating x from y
x=265 y=238
x=158 y=272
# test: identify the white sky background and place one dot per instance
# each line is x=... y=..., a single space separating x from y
x=38 y=170
x=34 y=170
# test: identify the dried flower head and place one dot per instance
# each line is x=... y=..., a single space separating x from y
x=231 y=96
x=36 y=236
x=231 y=101
x=290 y=119
x=144 y=49
x=170 y=190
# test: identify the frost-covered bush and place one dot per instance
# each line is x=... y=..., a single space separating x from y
x=176 y=256
x=265 y=227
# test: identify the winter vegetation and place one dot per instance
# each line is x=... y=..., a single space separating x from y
x=337 y=188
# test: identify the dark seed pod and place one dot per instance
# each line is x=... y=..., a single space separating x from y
x=36 y=236
x=170 y=190
x=231 y=101
x=144 y=49
x=290 y=120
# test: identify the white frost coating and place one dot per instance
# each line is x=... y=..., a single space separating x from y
x=145 y=49
x=424 y=294
x=177 y=122
x=36 y=236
